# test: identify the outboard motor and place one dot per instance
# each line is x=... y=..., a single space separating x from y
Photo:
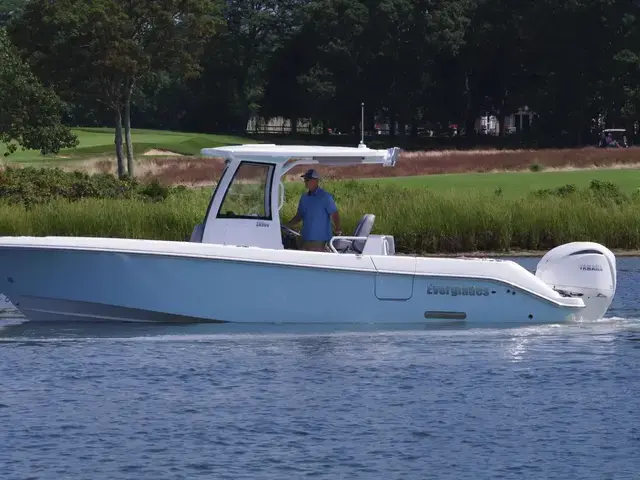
x=582 y=269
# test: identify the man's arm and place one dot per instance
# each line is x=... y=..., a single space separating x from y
x=335 y=215
x=294 y=221
x=297 y=217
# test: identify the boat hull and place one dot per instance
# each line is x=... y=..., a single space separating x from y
x=54 y=284
x=41 y=309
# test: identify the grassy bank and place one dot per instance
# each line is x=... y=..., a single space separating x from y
x=421 y=220
x=451 y=222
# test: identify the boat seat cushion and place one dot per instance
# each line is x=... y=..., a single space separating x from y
x=363 y=229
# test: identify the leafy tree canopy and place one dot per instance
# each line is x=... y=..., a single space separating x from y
x=29 y=113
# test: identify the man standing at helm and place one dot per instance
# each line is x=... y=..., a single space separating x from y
x=316 y=209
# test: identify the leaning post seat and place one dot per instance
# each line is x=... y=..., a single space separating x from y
x=363 y=229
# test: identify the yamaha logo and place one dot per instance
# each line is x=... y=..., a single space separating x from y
x=591 y=267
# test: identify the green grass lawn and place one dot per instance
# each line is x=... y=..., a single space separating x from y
x=515 y=184
x=99 y=141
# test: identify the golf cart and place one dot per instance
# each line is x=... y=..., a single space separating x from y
x=613 y=138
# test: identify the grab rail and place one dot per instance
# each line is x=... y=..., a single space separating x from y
x=281 y=192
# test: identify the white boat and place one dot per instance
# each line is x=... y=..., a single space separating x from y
x=235 y=268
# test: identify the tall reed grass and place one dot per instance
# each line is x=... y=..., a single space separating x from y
x=421 y=221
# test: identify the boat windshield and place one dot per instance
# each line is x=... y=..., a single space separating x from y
x=225 y=170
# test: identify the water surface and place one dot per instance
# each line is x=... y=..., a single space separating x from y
x=249 y=402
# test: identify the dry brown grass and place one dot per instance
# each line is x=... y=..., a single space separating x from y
x=168 y=170
x=196 y=171
x=452 y=161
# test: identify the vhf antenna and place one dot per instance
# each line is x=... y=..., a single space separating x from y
x=362 y=145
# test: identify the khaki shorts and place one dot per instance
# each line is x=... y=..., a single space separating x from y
x=315 y=246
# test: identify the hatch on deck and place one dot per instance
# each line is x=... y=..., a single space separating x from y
x=395 y=277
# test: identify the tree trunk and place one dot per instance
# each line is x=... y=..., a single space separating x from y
x=414 y=123
x=325 y=128
x=467 y=109
x=118 y=143
x=502 y=117
x=392 y=118
x=127 y=129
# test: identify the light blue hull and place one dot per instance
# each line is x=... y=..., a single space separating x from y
x=58 y=285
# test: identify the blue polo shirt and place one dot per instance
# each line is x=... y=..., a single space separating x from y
x=315 y=209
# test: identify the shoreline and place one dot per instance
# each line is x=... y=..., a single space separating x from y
x=514 y=254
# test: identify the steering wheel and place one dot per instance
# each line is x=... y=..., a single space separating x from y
x=288 y=231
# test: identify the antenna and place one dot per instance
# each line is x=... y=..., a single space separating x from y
x=362 y=145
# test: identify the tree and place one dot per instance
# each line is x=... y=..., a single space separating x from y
x=97 y=52
x=29 y=113
x=333 y=81
x=8 y=8
x=409 y=41
x=254 y=32
x=288 y=60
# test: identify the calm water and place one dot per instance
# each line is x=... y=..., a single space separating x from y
x=139 y=402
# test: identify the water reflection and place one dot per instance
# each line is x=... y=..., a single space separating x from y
x=84 y=330
x=518 y=348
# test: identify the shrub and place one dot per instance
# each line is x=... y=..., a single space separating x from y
x=32 y=186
